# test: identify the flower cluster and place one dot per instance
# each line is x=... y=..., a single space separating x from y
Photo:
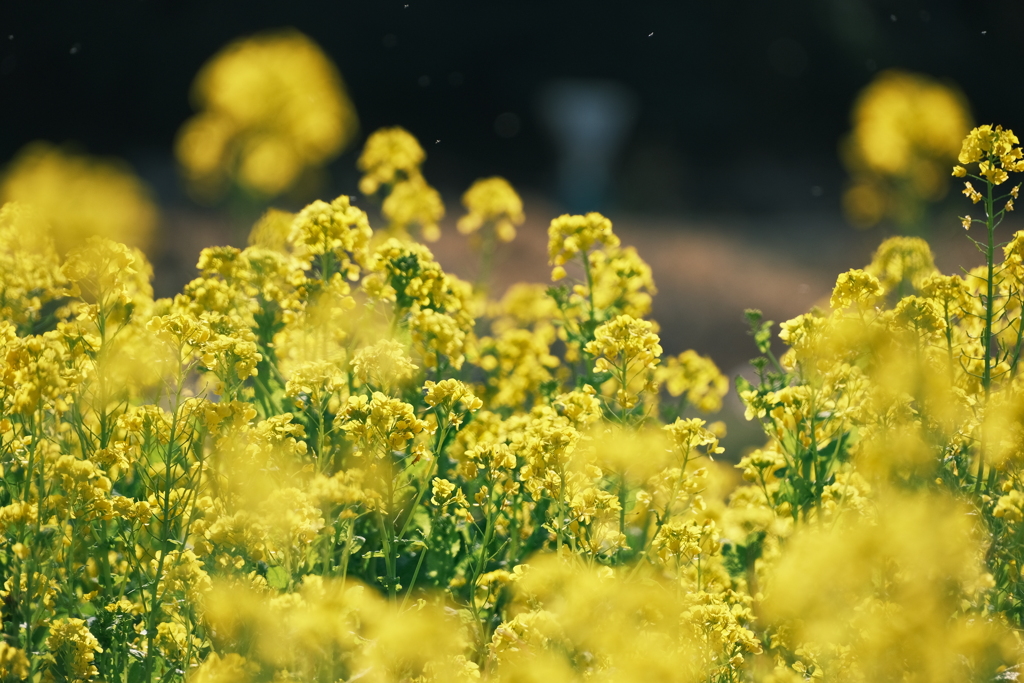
x=492 y=201
x=271 y=107
x=906 y=128
x=328 y=459
x=80 y=196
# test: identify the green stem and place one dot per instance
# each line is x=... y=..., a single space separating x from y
x=415 y=575
x=590 y=288
x=986 y=379
x=388 y=535
x=986 y=339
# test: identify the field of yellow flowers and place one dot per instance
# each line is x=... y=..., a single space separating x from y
x=329 y=460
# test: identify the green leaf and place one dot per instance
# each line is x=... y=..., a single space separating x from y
x=278 y=577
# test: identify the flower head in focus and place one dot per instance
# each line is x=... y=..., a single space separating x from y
x=569 y=236
x=997 y=152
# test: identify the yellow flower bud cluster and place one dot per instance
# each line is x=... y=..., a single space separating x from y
x=414 y=202
x=492 y=201
x=389 y=156
x=569 y=236
x=902 y=259
x=996 y=151
x=856 y=288
x=391 y=160
x=905 y=128
x=14 y=663
x=338 y=230
x=71 y=642
x=379 y=424
x=694 y=377
x=79 y=196
x=271 y=108
x=383 y=364
x=628 y=349
x=30 y=270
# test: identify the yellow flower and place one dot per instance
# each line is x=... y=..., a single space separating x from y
x=856 y=287
x=971 y=193
x=994 y=174
x=452 y=395
x=690 y=434
x=996 y=152
x=627 y=348
x=270 y=107
x=75 y=648
x=13 y=663
x=907 y=128
x=389 y=156
x=959 y=171
x=414 y=202
x=696 y=376
x=919 y=314
x=81 y=196
x=899 y=259
x=966 y=222
x=438 y=334
x=572 y=235
x=338 y=229
x=380 y=424
x=492 y=200
x=383 y=364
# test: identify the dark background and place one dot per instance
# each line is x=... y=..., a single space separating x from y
x=741 y=103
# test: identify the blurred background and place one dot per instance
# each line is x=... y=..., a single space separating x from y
x=750 y=150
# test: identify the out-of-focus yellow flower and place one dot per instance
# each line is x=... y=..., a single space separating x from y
x=80 y=196
x=391 y=161
x=270 y=108
x=390 y=156
x=492 y=200
x=695 y=376
x=902 y=259
x=13 y=662
x=30 y=273
x=856 y=288
x=906 y=128
x=414 y=202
